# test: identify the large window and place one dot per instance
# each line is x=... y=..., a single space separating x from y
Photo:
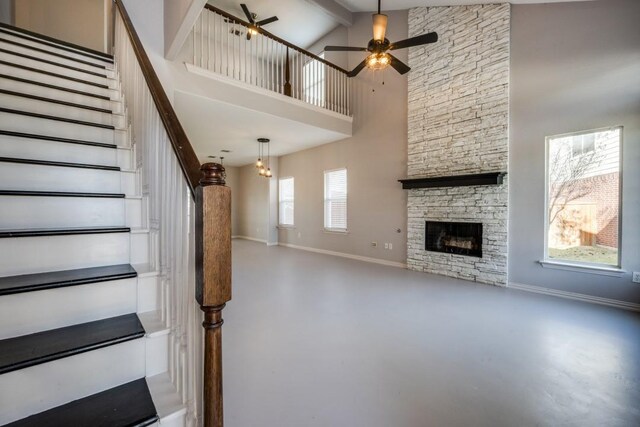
x=583 y=197
x=285 y=195
x=335 y=200
x=314 y=81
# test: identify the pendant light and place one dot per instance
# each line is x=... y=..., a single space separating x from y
x=263 y=162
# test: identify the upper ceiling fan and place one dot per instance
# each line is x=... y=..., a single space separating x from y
x=379 y=47
x=251 y=17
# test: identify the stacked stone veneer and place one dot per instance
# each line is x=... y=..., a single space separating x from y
x=458 y=124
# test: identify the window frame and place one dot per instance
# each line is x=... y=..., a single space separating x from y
x=280 y=202
x=583 y=266
x=346 y=199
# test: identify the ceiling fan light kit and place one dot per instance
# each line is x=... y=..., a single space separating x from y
x=378 y=47
x=251 y=17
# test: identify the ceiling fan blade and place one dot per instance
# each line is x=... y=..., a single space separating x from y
x=398 y=65
x=415 y=41
x=344 y=49
x=245 y=9
x=357 y=70
x=267 y=21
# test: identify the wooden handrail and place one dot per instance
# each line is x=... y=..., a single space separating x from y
x=187 y=157
x=273 y=37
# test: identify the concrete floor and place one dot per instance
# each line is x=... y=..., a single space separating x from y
x=315 y=340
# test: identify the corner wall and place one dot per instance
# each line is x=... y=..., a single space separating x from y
x=574 y=66
x=375 y=158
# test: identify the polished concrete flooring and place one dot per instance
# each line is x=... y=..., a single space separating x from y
x=314 y=340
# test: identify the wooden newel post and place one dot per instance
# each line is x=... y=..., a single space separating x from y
x=213 y=279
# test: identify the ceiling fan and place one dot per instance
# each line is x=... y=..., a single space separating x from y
x=379 y=47
x=251 y=17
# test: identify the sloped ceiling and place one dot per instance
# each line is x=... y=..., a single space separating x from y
x=371 y=5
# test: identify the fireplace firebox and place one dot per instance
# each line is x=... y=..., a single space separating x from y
x=461 y=238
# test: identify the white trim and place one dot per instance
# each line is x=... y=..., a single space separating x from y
x=184 y=30
x=237 y=83
x=345 y=255
x=576 y=296
x=253 y=239
x=583 y=268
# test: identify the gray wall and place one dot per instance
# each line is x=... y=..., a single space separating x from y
x=83 y=22
x=574 y=66
x=375 y=158
x=6 y=12
x=233 y=182
x=252 y=199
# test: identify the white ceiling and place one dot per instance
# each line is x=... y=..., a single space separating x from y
x=206 y=122
x=300 y=22
x=371 y=5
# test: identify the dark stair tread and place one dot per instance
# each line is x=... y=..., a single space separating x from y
x=48 y=52
x=41 y=347
x=128 y=405
x=40 y=232
x=61 y=279
x=55 y=118
x=55 y=101
x=49 y=73
x=57 y=139
x=29 y=193
x=56 y=64
x=60 y=164
x=53 y=42
x=50 y=86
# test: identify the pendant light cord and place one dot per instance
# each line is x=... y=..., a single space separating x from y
x=379 y=1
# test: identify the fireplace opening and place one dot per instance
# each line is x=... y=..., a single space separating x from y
x=461 y=238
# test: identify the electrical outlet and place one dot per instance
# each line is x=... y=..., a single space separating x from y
x=386 y=246
x=636 y=277
x=374 y=244
x=390 y=246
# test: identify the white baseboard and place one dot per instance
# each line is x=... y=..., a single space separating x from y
x=253 y=239
x=345 y=255
x=576 y=296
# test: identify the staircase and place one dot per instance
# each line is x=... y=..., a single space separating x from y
x=81 y=340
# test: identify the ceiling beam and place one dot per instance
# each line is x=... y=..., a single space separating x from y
x=338 y=12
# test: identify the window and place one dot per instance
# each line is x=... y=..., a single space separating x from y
x=335 y=200
x=313 y=80
x=583 y=144
x=583 y=197
x=285 y=193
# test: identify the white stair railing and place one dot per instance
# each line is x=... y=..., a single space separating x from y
x=171 y=224
x=233 y=48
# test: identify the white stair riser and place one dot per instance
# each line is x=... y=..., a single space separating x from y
x=24 y=255
x=27 y=124
x=148 y=294
x=16 y=176
x=139 y=248
x=58 y=81
x=133 y=212
x=157 y=354
x=43 y=66
x=31 y=89
x=37 y=149
x=53 y=48
x=125 y=158
x=53 y=58
x=19 y=212
x=31 y=312
x=41 y=387
x=63 y=111
x=129 y=183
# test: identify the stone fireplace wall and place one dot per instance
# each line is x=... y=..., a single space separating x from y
x=458 y=124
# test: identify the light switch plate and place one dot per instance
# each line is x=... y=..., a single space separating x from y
x=636 y=277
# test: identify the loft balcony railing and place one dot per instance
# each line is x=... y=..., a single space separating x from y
x=220 y=44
